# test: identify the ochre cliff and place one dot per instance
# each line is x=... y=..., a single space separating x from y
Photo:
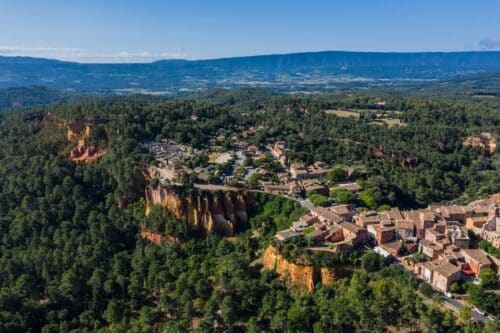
x=78 y=133
x=155 y=236
x=216 y=212
x=300 y=276
x=328 y=275
x=485 y=140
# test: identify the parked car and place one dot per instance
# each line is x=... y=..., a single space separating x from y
x=478 y=310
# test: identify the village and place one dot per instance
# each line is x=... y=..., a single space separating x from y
x=434 y=243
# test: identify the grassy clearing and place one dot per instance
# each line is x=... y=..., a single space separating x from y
x=389 y=121
x=343 y=113
x=355 y=114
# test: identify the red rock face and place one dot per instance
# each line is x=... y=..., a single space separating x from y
x=401 y=158
x=301 y=277
x=486 y=141
x=78 y=133
x=156 y=237
x=211 y=211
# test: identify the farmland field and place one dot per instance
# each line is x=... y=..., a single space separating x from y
x=389 y=121
x=343 y=113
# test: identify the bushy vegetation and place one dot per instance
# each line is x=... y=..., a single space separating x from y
x=489 y=248
x=273 y=213
x=317 y=199
x=342 y=196
x=487 y=301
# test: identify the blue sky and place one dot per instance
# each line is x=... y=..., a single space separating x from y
x=133 y=30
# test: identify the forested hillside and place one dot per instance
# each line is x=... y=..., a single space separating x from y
x=296 y=71
x=71 y=258
x=15 y=98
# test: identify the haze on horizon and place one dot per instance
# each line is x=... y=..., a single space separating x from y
x=144 y=31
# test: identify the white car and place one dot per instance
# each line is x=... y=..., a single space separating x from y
x=478 y=310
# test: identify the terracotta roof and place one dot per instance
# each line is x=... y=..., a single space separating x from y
x=428 y=243
x=287 y=234
x=454 y=209
x=427 y=216
x=317 y=233
x=350 y=186
x=447 y=269
x=412 y=215
x=341 y=209
x=308 y=218
x=434 y=232
x=392 y=245
x=325 y=213
x=310 y=182
x=429 y=265
x=480 y=218
x=394 y=214
x=477 y=255
x=405 y=224
x=333 y=229
x=368 y=218
x=350 y=226
x=313 y=187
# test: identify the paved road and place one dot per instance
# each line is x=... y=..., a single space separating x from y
x=213 y=187
x=239 y=158
x=306 y=203
x=249 y=173
x=450 y=303
x=456 y=306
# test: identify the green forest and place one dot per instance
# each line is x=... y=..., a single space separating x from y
x=71 y=259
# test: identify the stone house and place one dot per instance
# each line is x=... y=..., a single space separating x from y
x=444 y=275
x=298 y=171
x=326 y=216
x=351 y=231
x=477 y=260
x=405 y=229
x=430 y=249
x=287 y=235
x=344 y=211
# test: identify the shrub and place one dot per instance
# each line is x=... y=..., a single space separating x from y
x=455 y=288
x=368 y=199
x=488 y=277
x=425 y=289
x=337 y=174
x=319 y=200
x=372 y=262
x=342 y=195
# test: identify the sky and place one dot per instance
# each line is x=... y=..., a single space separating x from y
x=148 y=30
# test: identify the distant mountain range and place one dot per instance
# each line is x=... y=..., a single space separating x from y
x=296 y=71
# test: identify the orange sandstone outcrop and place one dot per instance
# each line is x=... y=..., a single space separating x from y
x=83 y=152
x=300 y=276
x=485 y=140
x=328 y=276
x=155 y=236
x=216 y=212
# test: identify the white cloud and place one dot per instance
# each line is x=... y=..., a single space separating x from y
x=82 y=55
x=489 y=43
